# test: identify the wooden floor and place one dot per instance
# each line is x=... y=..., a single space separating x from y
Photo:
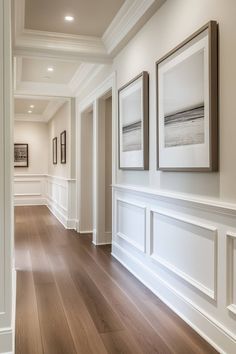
x=75 y=298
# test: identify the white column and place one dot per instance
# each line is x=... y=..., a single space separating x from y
x=6 y=178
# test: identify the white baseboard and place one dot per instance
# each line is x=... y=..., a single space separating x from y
x=69 y=224
x=101 y=243
x=86 y=232
x=207 y=327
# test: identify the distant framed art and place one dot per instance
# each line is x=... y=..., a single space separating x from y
x=54 y=151
x=134 y=124
x=63 y=146
x=187 y=104
x=21 y=155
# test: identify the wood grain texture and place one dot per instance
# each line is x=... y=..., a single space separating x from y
x=73 y=297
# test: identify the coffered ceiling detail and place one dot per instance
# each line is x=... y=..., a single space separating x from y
x=77 y=49
x=36 y=108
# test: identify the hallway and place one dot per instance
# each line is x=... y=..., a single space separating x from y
x=75 y=298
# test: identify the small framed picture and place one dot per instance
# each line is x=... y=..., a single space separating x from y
x=134 y=124
x=187 y=104
x=63 y=147
x=54 y=151
x=21 y=155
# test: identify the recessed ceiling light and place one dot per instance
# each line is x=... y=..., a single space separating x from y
x=69 y=18
x=31 y=106
x=50 y=68
x=29 y=111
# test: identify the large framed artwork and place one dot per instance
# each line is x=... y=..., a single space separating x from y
x=21 y=155
x=54 y=151
x=134 y=124
x=187 y=104
x=63 y=147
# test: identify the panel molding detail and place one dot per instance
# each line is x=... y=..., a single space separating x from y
x=132 y=206
x=175 y=269
x=231 y=284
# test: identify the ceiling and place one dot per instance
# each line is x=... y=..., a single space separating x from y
x=77 y=51
x=22 y=105
x=91 y=17
x=37 y=108
x=36 y=70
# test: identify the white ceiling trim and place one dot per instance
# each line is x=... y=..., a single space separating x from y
x=83 y=76
x=126 y=20
x=52 y=108
x=42 y=89
x=29 y=118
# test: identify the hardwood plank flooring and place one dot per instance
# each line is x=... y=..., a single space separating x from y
x=73 y=297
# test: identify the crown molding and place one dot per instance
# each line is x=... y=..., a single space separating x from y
x=42 y=89
x=29 y=118
x=129 y=19
x=84 y=76
x=54 y=105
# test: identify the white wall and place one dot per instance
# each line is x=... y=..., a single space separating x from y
x=176 y=20
x=36 y=135
x=176 y=231
x=61 y=121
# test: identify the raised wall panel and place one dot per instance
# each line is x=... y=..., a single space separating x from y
x=131 y=223
x=231 y=271
x=28 y=187
x=186 y=248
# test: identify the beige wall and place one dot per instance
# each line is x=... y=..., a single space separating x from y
x=60 y=122
x=36 y=135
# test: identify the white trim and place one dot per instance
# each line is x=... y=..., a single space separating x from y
x=86 y=232
x=217 y=206
x=230 y=239
x=210 y=329
x=131 y=16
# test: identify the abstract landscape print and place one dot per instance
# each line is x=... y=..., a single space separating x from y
x=185 y=102
x=183 y=86
x=132 y=122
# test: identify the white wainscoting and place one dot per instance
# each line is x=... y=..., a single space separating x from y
x=184 y=252
x=60 y=193
x=57 y=193
x=231 y=269
x=30 y=189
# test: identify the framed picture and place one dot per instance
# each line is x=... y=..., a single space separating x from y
x=54 y=151
x=134 y=124
x=187 y=104
x=63 y=147
x=21 y=155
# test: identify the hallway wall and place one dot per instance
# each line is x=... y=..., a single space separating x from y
x=43 y=183
x=60 y=121
x=36 y=135
x=176 y=231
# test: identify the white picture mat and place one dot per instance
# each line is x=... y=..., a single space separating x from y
x=131 y=159
x=187 y=156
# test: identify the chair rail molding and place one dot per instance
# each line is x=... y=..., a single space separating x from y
x=176 y=245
